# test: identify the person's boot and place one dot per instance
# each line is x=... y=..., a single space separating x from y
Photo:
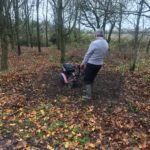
x=88 y=92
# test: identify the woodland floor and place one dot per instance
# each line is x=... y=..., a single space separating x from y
x=37 y=113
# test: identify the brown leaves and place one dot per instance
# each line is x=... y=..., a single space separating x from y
x=64 y=99
x=121 y=122
x=45 y=117
x=137 y=86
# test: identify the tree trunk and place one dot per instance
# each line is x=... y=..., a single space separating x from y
x=31 y=33
x=120 y=23
x=61 y=30
x=28 y=30
x=38 y=27
x=136 y=39
x=79 y=28
x=11 y=32
x=4 y=58
x=27 y=35
x=46 y=25
x=28 y=25
x=3 y=34
x=110 y=31
x=105 y=15
x=16 y=11
x=148 y=47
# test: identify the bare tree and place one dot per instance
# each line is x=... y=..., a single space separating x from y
x=65 y=17
x=96 y=14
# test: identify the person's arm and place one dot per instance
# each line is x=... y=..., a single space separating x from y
x=88 y=53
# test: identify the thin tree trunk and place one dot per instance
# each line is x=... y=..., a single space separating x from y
x=38 y=27
x=27 y=35
x=148 y=47
x=46 y=25
x=60 y=30
x=136 y=39
x=4 y=57
x=105 y=16
x=120 y=23
x=30 y=34
x=16 y=10
x=110 y=31
x=11 y=32
x=28 y=25
x=3 y=34
x=79 y=27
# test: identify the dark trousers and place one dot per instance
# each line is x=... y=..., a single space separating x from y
x=91 y=71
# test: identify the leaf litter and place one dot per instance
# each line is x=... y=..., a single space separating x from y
x=37 y=113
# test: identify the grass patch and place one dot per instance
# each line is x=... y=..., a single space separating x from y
x=76 y=129
x=111 y=107
x=83 y=140
x=131 y=108
x=56 y=124
x=122 y=68
x=146 y=77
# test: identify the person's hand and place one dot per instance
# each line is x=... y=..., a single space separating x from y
x=82 y=66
